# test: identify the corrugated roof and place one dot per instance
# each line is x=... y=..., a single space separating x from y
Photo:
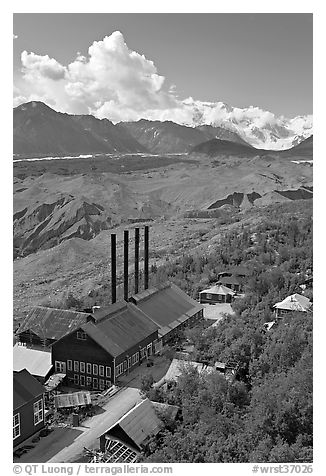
x=25 y=388
x=50 y=323
x=140 y=422
x=37 y=362
x=165 y=304
x=295 y=302
x=218 y=289
x=120 y=327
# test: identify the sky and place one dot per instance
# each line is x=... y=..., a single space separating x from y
x=127 y=66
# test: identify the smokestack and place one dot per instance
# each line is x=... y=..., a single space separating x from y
x=146 y=261
x=113 y=268
x=136 y=259
x=125 y=265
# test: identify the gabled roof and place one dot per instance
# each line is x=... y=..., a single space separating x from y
x=50 y=323
x=25 y=388
x=37 y=362
x=295 y=302
x=218 y=289
x=167 y=305
x=139 y=423
x=230 y=280
x=119 y=327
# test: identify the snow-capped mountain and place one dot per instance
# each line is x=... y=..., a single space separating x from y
x=260 y=128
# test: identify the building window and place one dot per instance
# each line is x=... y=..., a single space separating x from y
x=89 y=368
x=95 y=369
x=16 y=425
x=82 y=380
x=108 y=383
x=101 y=382
x=69 y=364
x=76 y=379
x=81 y=335
x=76 y=366
x=135 y=358
x=101 y=370
x=108 y=372
x=125 y=365
x=60 y=367
x=95 y=383
x=142 y=353
x=208 y=296
x=88 y=381
x=82 y=367
x=119 y=369
x=38 y=411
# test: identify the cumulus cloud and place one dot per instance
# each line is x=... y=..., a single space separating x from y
x=36 y=67
x=113 y=81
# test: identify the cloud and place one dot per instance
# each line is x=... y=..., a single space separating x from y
x=113 y=81
x=36 y=67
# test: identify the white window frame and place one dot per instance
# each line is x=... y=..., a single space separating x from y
x=38 y=411
x=101 y=370
x=82 y=380
x=119 y=369
x=81 y=335
x=108 y=383
x=76 y=379
x=76 y=365
x=108 y=372
x=95 y=383
x=88 y=381
x=59 y=366
x=208 y=296
x=143 y=353
x=101 y=384
x=95 y=369
x=69 y=364
x=89 y=368
x=16 y=426
x=82 y=367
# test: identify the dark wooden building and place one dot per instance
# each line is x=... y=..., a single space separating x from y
x=111 y=343
x=234 y=278
x=44 y=325
x=28 y=406
x=170 y=308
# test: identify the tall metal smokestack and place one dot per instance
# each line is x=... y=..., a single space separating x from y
x=125 y=265
x=146 y=257
x=113 y=268
x=136 y=260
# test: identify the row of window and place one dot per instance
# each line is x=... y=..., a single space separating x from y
x=126 y=364
x=89 y=368
x=38 y=417
x=91 y=382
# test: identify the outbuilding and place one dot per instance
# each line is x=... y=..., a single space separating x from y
x=216 y=294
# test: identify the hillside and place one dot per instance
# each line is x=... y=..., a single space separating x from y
x=38 y=130
x=168 y=137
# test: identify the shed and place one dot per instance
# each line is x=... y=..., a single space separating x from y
x=43 y=325
x=216 y=294
x=37 y=362
x=134 y=428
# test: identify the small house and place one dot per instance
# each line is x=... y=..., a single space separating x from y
x=293 y=303
x=216 y=294
x=28 y=406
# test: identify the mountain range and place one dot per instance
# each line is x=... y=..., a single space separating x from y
x=41 y=131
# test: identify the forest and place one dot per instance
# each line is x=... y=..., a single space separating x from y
x=264 y=414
